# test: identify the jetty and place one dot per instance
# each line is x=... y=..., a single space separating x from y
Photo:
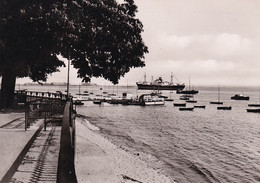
x=39 y=145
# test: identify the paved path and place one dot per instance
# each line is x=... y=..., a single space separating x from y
x=41 y=161
x=13 y=139
x=33 y=154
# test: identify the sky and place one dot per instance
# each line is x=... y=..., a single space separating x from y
x=206 y=42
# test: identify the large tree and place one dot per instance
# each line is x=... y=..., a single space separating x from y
x=102 y=38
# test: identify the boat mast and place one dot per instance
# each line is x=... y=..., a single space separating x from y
x=259 y=95
x=79 y=88
x=176 y=79
x=189 y=82
x=218 y=93
x=145 y=77
x=171 y=79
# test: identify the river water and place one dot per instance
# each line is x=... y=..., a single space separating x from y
x=204 y=145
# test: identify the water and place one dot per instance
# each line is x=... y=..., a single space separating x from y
x=205 y=145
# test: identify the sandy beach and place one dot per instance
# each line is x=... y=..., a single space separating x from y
x=98 y=160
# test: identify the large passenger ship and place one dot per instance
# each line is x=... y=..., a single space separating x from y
x=159 y=84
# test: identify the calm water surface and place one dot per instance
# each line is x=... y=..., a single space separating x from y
x=205 y=145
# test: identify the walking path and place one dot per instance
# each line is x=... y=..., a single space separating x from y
x=41 y=161
x=13 y=139
x=32 y=155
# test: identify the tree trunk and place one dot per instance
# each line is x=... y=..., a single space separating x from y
x=7 y=90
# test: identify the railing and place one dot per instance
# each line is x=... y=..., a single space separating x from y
x=42 y=108
x=40 y=105
x=66 y=171
x=36 y=94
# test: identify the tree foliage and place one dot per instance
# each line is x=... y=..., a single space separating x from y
x=28 y=43
x=102 y=38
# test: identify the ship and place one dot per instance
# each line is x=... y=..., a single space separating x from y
x=239 y=97
x=159 y=84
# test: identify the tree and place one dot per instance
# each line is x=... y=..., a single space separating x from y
x=102 y=38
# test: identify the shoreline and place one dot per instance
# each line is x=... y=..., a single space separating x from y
x=107 y=162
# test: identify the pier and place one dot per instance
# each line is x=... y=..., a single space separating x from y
x=46 y=134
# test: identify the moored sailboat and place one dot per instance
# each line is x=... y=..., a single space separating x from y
x=256 y=105
x=224 y=108
x=254 y=110
x=189 y=91
x=217 y=102
x=186 y=108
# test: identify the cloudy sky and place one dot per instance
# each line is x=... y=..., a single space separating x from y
x=211 y=41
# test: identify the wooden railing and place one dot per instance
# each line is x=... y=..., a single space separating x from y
x=66 y=171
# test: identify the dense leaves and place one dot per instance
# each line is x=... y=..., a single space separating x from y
x=101 y=37
x=28 y=44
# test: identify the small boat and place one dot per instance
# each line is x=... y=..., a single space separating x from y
x=253 y=105
x=162 y=96
x=255 y=110
x=200 y=106
x=187 y=92
x=186 y=97
x=112 y=94
x=85 y=94
x=99 y=102
x=150 y=99
x=191 y=101
x=224 y=108
x=78 y=102
x=168 y=99
x=186 y=108
x=239 y=97
x=131 y=102
x=179 y=104
x=217 y=102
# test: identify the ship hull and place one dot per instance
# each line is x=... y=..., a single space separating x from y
x=159 y=87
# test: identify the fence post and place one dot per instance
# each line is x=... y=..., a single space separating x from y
x=26 y=115
x=45 y=121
